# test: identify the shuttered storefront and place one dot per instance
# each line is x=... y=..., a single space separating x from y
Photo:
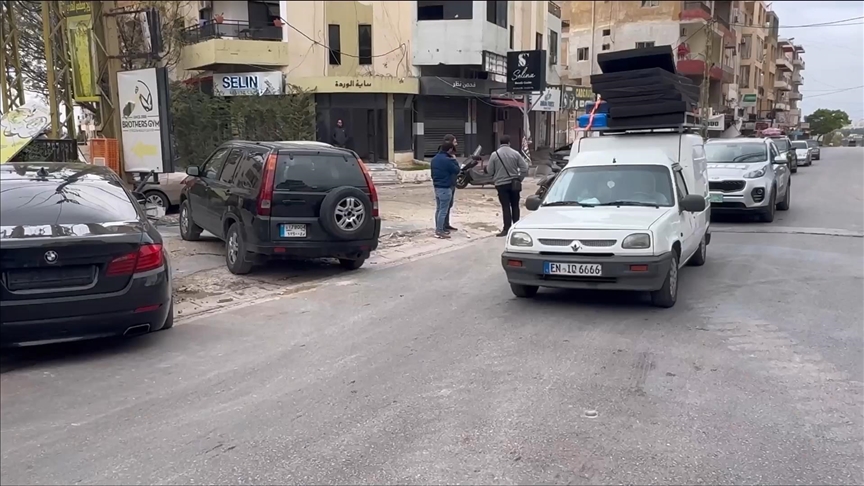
x=442 y=116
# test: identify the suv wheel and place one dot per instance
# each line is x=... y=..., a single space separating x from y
x=189 y=231
x=793 y=168
x=236 y=256
x=767 y=215
x=351 y=264
x=346 y=212
x=784 y=204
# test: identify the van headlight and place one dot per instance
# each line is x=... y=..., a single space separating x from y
x=520 y=238
x=755 y=174
x=637 y=241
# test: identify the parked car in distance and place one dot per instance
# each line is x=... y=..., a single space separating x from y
x=165 y=193
x=802 y=152
x=78 y=255
x=747 y=175
x=784 y=146
x=282 y=200
x=815 y=151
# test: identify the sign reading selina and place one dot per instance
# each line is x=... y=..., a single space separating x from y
x=144 y=120
x=248 y=84
x=526 y=71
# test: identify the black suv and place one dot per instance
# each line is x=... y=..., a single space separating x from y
x=784 y=146
x=282 y=200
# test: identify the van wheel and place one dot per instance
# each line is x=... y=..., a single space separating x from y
x=667 y=295
x=189 y=231
x=236 y=256
x=698 y=258
x=524 y=291
x=352 y=264
x=784 y=204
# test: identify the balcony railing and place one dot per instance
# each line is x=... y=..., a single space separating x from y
x=554 y=9
x=231 y=29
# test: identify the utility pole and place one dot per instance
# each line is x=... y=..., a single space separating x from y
x=705 y=91
x=47 y=32
x=106 y=40
x=11 y=79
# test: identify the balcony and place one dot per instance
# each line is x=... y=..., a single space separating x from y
x=782 y=84
x=232 y=42
x=696 y=68
x=781 y=106
x=553 y=9
x=797 y=79
x=795 y=95
x=798 y=63
x=695 y=11
x=784 y=63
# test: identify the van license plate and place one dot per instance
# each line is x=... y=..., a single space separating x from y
x=575 y=269
x=292 y=230
x=715 y=197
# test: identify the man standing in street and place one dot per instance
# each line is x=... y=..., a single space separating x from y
x=444 y=170
x=340 y=136
x=451 y=139
x=508 y=168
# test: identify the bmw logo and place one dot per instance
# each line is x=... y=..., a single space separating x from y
x=51 y=257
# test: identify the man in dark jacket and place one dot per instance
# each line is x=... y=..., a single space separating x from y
x=452 y=139
x=340 y=136
x=444 y=171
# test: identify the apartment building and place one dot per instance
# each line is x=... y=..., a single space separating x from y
x=355 y=55
x=752 y=76
x=603 y=26
x=791 y=117
x=460 y=49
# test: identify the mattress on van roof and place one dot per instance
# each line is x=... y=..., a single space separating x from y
x=618 y=111
x=648 y=121
x=660 y=57
x=644 y=93
x=637 y=74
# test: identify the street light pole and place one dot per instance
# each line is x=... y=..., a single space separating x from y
x=705 y=91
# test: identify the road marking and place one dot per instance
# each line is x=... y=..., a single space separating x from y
x=787 y=230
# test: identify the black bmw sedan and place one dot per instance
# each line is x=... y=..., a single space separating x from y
x=78 y=257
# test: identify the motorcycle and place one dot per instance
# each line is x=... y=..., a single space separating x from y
x=470 y=174
x=546 y=183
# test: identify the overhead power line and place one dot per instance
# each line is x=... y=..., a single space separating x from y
x=836 y=91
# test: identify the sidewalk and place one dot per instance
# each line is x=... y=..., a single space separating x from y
x=202 y=283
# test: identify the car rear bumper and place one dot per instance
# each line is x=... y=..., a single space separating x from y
x=143 y=305
x=617 y=271
x=319 y=249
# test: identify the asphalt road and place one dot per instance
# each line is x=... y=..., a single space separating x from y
x=431 y=372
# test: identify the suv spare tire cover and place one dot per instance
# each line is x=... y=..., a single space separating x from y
x=327 y=217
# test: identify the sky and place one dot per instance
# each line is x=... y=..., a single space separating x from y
x=834 y=57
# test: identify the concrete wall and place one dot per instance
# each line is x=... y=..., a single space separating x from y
x=622 y=36
x=392 y=25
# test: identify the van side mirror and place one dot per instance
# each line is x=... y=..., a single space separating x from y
x=192 y=171
x=693 y=203
x=532 y=203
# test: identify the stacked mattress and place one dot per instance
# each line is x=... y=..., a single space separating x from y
x=642 y=89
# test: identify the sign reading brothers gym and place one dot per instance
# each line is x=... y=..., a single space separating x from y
x=526 y=71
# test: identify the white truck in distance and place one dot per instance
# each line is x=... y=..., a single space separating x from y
x=626 y=213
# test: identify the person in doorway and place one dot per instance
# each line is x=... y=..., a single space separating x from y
x=444 y=170
x=508 y=168
x=340 y=136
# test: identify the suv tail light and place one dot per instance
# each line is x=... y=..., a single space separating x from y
x=148 y=257
x=265 y=196
x=373 y=193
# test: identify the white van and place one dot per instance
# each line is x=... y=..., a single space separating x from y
x=626 y=213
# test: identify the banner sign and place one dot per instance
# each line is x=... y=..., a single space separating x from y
x=526 y=71
x=79 y=28
x=248 y=84
x=21 y=125
x=145 y=120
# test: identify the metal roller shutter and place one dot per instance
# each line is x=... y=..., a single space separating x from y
x=443 y=116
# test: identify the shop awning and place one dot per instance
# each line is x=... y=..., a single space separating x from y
x=519 y=104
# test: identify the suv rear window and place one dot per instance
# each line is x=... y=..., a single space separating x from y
x=317 y=172
x=812 y=143
x=782 y=144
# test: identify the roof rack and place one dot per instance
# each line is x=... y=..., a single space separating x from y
x=689 y=124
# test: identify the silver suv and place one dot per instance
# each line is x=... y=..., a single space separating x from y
x=747 y=175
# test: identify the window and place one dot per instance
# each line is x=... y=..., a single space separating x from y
x=631 y=185
x=680 y=185
x=735 y=152
x=744 y=77
x=334 y=42
x=364 y=40
x=650 y=3
x=607 y=32
x=231 y=166
x=440 y=10
x=496 y=12
x=582 y=54
x=512 y=37
x=553 y=47
x=746 y=46
x=605 y=47
x=249 y=171
x=213 y=166
x=317 y=172
x=643 y=45
x=538 y=41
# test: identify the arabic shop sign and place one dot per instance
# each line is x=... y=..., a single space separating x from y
x=460 y=87
x=526 y=71
x=356 y=84
x=248 y=84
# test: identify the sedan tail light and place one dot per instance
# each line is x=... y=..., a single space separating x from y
x=148 y=257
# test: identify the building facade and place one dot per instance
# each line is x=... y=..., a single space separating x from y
x=597 y=27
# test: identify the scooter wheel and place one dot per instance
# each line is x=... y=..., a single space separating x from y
x=461 y=181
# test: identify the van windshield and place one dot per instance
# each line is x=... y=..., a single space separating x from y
x=731 y=152
x=612 y=185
